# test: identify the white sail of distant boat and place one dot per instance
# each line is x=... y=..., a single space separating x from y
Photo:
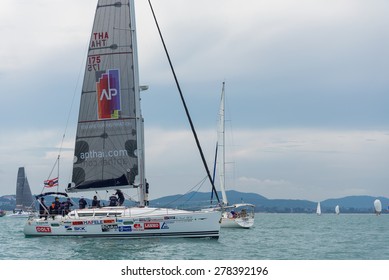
x=24 y=199
x=377 y=206
x=318 y=209
x=109 y=148
x=337 y=211
x=238 y=215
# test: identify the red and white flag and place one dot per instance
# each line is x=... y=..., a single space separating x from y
x=51 y=183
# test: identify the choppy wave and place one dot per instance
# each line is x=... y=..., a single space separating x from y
x=274 y=237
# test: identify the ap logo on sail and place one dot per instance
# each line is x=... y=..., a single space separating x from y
x=108 y=95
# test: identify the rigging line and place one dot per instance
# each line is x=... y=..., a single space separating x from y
x=64 y=134
x=52 y=169
x=194 y=193
x=184 y=103
x=199 y=183
x=70 y=110
x=66 y=125
x=214 y=168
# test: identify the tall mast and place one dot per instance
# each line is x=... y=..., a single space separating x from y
x=221 y=140
x=138 y=113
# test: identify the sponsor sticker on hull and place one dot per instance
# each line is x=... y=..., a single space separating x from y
x=125 y=228
x=138 y=227
x=94 y=222
x=169 y=218
x=164 y=226
x=151 y=226
x=106 y=228
x=43 y=229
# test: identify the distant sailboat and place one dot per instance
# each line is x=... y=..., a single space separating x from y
x=337 y=210
x=377 y=206
x=318 y=209
x=24 y=200
x=240 y=215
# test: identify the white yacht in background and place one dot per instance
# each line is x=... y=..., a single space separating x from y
x=239 y=215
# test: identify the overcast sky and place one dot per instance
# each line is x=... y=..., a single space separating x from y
x=307 y=86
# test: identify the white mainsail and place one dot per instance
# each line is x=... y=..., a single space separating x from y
x=377 y=206
x=337 y=211
x=318 y=209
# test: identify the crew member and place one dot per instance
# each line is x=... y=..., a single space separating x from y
x=113 y=200
x=120 y=196
x=82 y=203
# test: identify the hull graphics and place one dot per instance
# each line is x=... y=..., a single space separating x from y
x=169 y=226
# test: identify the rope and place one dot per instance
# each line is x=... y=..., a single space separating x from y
x=66 y=125
x=200 y=184
x=184 y=103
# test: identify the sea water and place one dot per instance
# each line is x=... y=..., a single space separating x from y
x=273 y=237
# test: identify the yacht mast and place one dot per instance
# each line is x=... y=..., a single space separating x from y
x=221 y=139
x=138 y=113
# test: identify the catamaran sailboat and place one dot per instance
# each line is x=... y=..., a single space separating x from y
x=24 y=201
x=109 y=148
x=240 y=215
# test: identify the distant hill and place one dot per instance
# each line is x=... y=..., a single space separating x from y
x=8 y=202
x=198 y=200
x=350 y=204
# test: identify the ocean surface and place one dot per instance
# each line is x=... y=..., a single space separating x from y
x=274 y=237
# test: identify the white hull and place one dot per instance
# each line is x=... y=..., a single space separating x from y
x=240 y=219
x=127 y=223
x=246 y=222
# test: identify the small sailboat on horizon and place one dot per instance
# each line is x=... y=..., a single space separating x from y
x=318 y=209
x=377 y=207
x=337 y=210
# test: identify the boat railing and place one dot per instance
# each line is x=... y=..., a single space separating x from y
x=97 y=212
